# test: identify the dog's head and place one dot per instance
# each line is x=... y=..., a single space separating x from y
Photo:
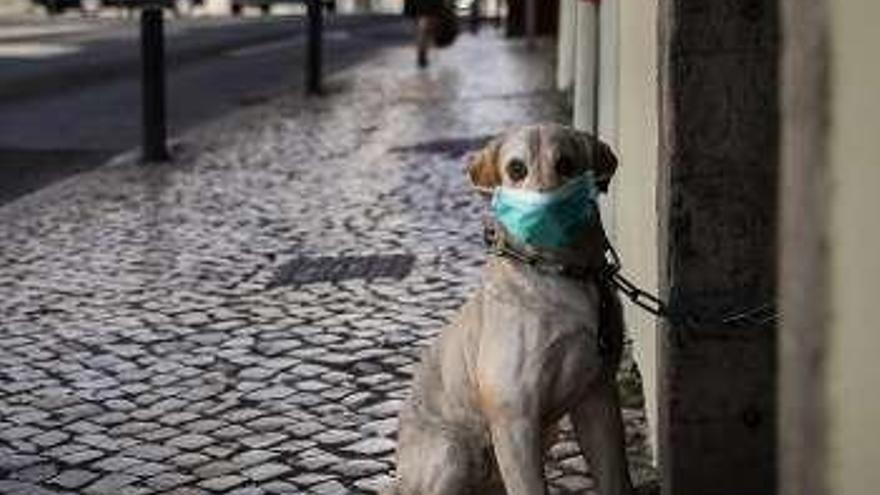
x=541 y=158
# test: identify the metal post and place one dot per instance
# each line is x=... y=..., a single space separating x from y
x=153 y=85
x=316 y=26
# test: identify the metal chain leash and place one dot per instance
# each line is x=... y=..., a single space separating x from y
x=612 y=273
x=761 y=315
x=764 y=314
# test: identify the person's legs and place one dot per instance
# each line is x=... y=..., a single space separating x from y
x=475 y=12
x=423 y=38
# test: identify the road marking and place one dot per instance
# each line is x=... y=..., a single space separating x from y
x=285 y=44
x=36 y=51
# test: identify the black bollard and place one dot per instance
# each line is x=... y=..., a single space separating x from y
x=316 y=26
x=153 y=85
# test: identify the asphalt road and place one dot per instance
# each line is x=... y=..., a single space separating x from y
x=70 y=91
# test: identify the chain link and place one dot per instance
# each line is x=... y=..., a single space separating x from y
x=762 y=315
x=759 y=316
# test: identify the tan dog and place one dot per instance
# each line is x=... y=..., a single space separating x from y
x=528 y=348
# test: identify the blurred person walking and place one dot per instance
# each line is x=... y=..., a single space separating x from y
x=426 y=14
x=475 y=12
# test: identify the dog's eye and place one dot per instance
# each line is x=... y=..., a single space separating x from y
x=517 y=170
x=565 y=167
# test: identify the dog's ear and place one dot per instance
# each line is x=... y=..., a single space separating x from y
x=606 y=165
x=603 y=161
x=482 y=167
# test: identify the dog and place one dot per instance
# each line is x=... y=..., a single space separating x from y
x=540 y=339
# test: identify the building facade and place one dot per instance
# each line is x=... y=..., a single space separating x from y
x=744 y=129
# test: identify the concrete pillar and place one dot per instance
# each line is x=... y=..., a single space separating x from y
x=718 y=188
x=608 y=12
x=803 y=277
x=586 y=60
x=606 y=94
x=566 y=44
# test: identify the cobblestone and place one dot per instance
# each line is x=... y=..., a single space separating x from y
x=74 y=478
x=223 y=483
x=142 y=350
x=331 y=487
x=36 y=473
x=372 y=446
x=111 y=484
x=263 y=472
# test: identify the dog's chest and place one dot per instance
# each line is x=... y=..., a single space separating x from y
x=553 y=303
x=544 y=336
x=541 y=334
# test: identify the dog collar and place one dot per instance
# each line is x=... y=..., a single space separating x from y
x=498 y=243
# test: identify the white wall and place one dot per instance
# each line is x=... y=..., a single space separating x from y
x=217 y=7
x=12 y=7
x=635 y=188
x=628 y=121
x=854 y=243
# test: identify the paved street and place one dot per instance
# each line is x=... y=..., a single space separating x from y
x=70 y=93
x=40 y=57
x=245 y=320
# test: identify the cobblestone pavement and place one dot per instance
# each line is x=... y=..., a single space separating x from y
x=148 y=344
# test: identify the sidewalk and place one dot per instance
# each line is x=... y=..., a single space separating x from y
x=218 y=325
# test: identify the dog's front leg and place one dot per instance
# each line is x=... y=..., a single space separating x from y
x=517 y=443
x=599 y=427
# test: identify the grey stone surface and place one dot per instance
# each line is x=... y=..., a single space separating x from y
x=141 y=351
x=74 y=478
x=223 y=483
x=720 y=132
x=806 y=71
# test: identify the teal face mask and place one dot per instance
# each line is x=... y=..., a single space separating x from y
x=550 y=219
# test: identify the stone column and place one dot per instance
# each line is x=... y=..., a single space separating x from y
x=718 y=196
x=566 y=45
x=586 y=65
x=803 y=264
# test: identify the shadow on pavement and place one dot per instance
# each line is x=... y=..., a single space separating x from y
x=25 y=171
